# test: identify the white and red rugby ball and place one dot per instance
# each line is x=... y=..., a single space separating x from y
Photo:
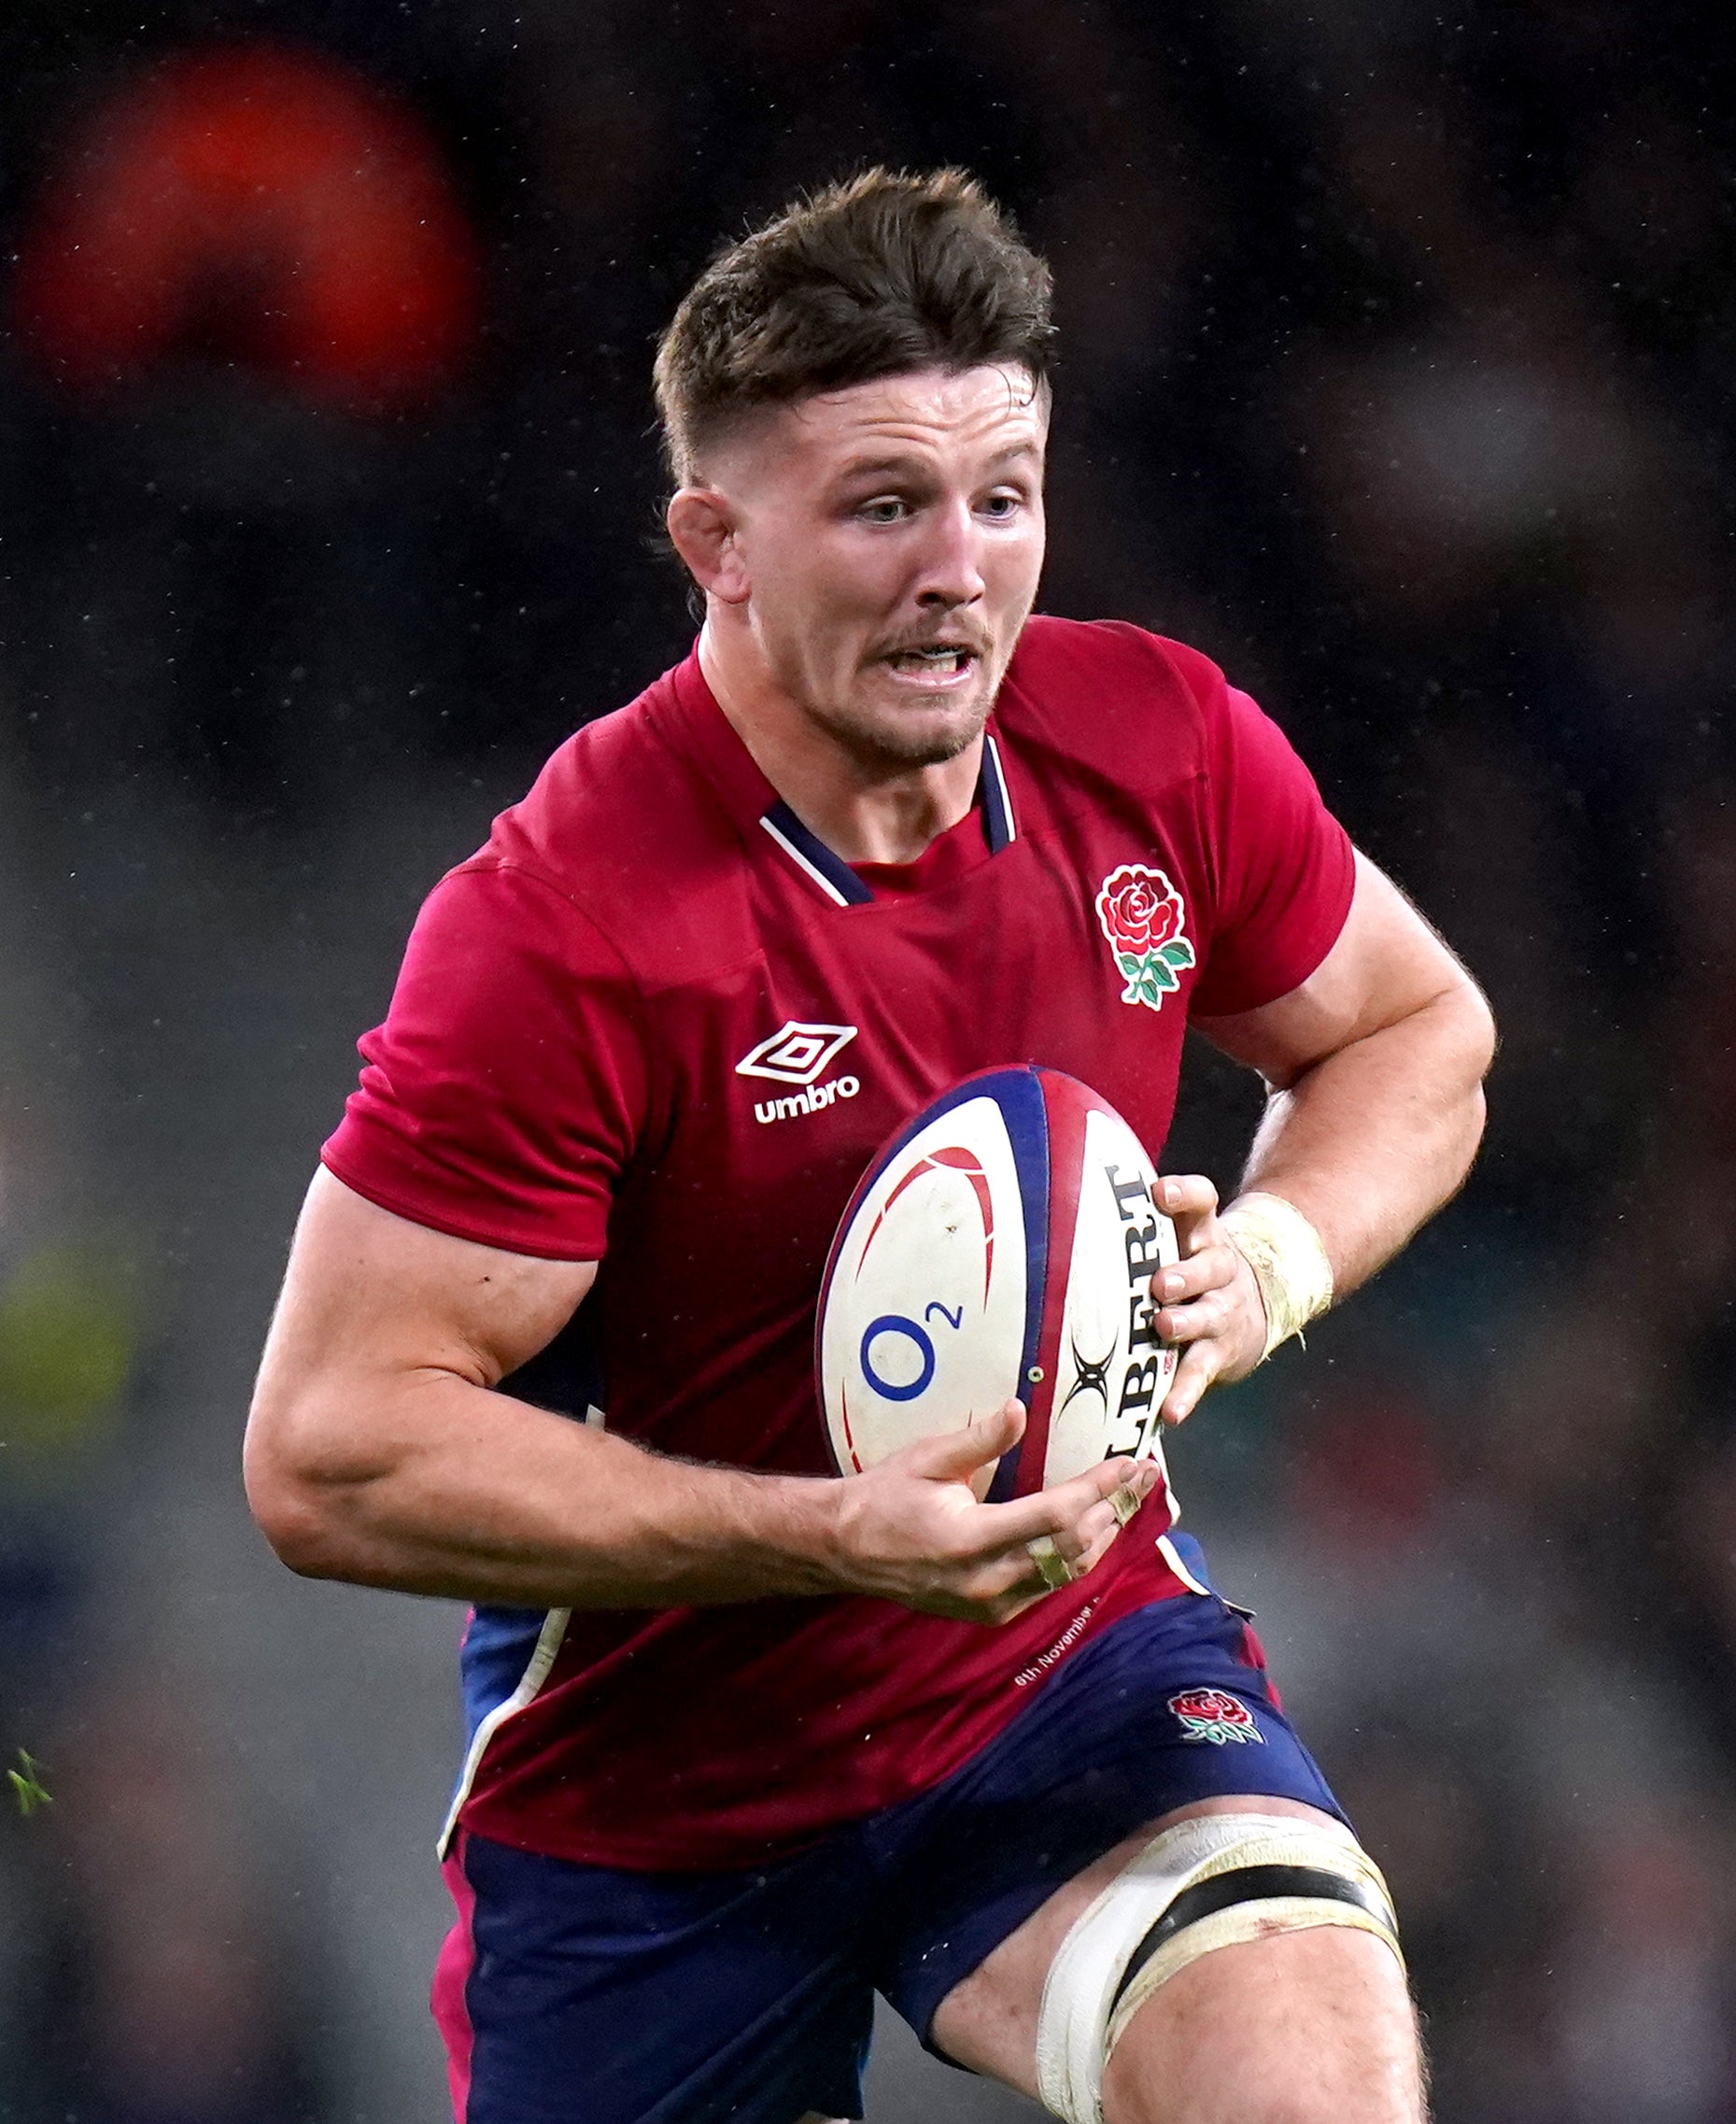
x=1002 y=1244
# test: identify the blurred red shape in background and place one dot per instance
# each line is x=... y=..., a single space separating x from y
x=1364 y=1471
x=258 y=206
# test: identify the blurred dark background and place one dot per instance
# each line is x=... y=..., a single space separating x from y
x=1398 y=364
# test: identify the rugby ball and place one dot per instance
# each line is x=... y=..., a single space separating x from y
x=1001 y=1244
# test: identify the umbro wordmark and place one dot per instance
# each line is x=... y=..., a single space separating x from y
x=809 y=1101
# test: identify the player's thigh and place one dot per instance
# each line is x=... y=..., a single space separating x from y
x=572 y=1994
x=1171 y=1706
x=1311 y=2027
x=1300 y=2028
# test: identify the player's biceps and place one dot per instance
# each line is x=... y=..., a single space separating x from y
x=345 y=1337
x=1388 y=965
x=504 y=1313
x=344 y=1386
x=413 y=1296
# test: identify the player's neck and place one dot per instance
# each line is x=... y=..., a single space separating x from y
x=862 y=813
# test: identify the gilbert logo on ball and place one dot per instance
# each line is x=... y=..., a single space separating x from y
x=1216 y=1715
x=1141 y=915
x=1002 y=1244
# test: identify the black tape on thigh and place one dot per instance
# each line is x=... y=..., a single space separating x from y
x=1249 y=1884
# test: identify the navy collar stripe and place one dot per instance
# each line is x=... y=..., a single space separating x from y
x=997 y=820
x=835 y=877
x=830 y=872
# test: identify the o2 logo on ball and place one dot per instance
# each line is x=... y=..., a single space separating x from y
x=927 y=1312
x=893 y=1326
x=1001 y=1245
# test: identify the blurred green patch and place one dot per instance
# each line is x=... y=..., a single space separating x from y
x=69 y=1339
x=27 y=1787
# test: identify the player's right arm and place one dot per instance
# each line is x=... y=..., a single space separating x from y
x=378 y=1452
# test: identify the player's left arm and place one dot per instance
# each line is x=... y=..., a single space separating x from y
x=1374 y=1070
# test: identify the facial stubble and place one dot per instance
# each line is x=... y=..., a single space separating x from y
x=880 y=744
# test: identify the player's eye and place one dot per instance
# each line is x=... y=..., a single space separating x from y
x=1000 y=508
x=883 y=509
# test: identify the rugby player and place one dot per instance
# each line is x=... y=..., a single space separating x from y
x=749 y=1741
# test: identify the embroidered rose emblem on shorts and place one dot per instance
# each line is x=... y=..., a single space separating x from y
x=1142 y=917
x=1216 y=1715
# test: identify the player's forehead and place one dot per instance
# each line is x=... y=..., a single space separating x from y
x=946 y=418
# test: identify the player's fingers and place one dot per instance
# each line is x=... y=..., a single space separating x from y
x=1099 y=1548
x=1039 y=1567
x=1088 y=1538
x=1121 y=1485
x=1072 y=1552
x=1211 y=1269
x=953 y=1456
x=1185 y=1194
x=1003 y=1586
x=1006 y=1528
x=1199 y=1365
x=1062 y=1509
x=1069 y=1555
x=1209 y=1316
x=1190 y=1200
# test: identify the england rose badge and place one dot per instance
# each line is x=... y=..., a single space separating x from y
x=1142 y=915
x=1216 y=1715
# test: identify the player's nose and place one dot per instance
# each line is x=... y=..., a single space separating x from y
x=951 y=560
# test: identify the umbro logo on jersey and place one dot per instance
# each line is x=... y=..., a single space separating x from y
x=796 y=1053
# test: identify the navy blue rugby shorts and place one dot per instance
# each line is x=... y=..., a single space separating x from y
x=575 y=1994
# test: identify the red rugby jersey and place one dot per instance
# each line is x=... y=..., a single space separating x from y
x=655 y=1023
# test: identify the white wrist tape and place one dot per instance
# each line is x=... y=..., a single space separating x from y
x=1289 y=1262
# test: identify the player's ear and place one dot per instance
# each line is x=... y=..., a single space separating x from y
x=702 y=529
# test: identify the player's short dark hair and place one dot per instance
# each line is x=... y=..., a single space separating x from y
x=883 y=274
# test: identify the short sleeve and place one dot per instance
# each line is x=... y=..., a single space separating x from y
x=505 y=1092
x=1285 y=867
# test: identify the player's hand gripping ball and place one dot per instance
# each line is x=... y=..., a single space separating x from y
x=1000 y=1247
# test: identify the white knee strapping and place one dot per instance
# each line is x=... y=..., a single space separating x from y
x=1089 y=1998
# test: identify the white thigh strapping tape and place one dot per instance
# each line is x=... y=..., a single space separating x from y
x=1082 y=2016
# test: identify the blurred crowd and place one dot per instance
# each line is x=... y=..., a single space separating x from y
x=1397 y=367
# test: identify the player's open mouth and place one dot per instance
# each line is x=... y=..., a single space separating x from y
x=940 y=664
